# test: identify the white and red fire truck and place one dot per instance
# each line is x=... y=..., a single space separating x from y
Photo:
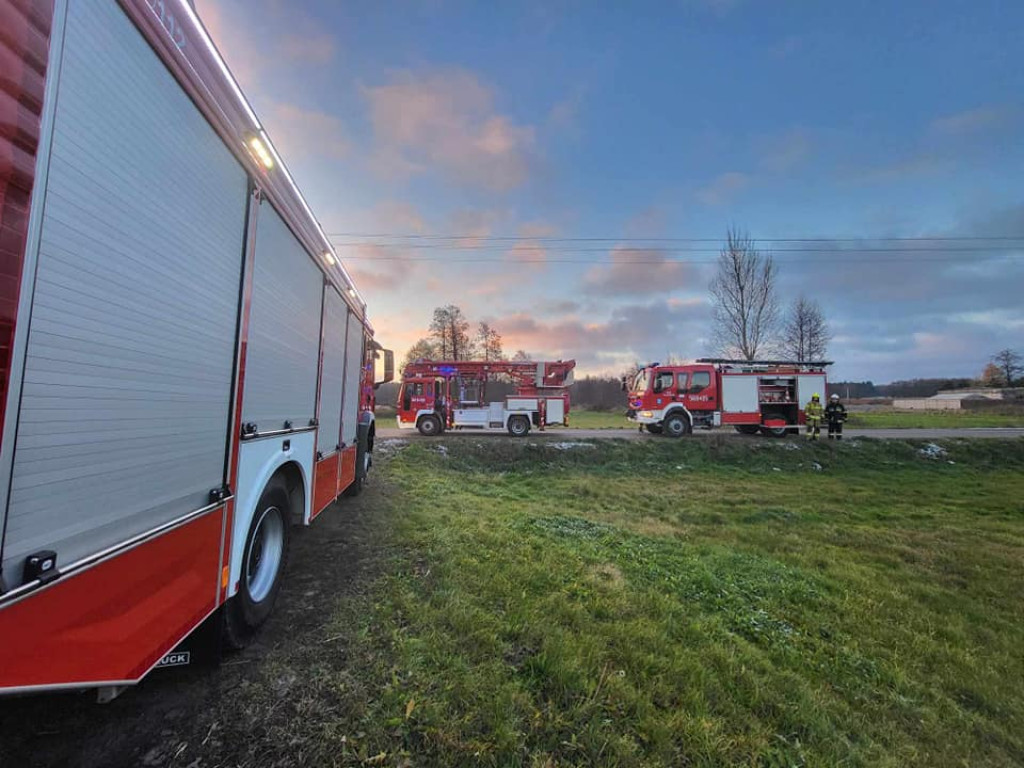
x=187 y=368
x=440 y=395
x=766 y=396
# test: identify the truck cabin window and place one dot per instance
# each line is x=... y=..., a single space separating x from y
x=643 y=378
x=663 y=381
x=701 y=380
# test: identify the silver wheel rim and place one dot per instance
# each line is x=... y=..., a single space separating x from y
x=675 y=426
x=428 y=426
x=265 y=554
x=518 y=427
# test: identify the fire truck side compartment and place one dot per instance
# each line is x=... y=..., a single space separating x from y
x=124 y=409
x=284 y=329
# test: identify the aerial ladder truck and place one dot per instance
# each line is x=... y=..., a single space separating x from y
x=439 y=395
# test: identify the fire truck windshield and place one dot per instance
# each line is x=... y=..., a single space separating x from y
x=642 y=380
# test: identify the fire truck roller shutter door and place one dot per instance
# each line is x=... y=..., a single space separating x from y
x=284 y=329
x=329 y=432
x=353 y=379
x=127 y=377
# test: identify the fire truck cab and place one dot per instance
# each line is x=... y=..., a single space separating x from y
x=751 y=396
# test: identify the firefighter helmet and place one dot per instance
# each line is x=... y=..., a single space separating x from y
x=815 y=396
x=834 y=397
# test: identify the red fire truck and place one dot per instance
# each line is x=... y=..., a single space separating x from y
x=752 y=396
x=440 y=395
x=187 y=367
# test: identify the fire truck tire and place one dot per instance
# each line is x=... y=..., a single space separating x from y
x=774 y=431
x=676 y=425
x=364 y=459
x=263 y=563
x=519 y=426
x=748 y=429
x=654 y=429
x=429 y=426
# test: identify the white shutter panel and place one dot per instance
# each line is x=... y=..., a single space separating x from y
x=124 y=414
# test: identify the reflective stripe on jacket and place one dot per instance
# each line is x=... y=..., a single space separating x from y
x=813 y=410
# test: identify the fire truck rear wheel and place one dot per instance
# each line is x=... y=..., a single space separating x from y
x=263 y=563
x=654 y=429
x=429 y=426
x=676 y=425
x=519 y=426
x=748 y=429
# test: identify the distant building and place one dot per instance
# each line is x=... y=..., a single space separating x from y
x=955 y=399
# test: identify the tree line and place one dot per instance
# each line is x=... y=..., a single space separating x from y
x=452 y=337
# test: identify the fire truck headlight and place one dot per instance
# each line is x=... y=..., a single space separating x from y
x=647 y=414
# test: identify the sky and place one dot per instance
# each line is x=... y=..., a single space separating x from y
x=566 y=170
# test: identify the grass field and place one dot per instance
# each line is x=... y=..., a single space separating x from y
x=933 y=419
x=858 y=419
x=716 y=602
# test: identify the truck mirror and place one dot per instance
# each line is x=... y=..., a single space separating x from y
x=389 y=368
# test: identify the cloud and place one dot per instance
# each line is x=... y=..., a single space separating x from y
x=971 y=121
x=635 y=271
x=250 y=51
x=307 y=133
x=723 y=188
x=445 y=121
x=310 y=48
x=785 y=153
x=606 y=346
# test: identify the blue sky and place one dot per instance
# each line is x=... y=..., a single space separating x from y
x=625 y=121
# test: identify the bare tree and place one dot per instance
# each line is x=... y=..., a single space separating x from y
x=746 y=309
x=521 y=355
x=805 y=333
x=424 y=349
x=489 y=342
x=1009 y=363
x=450 y=331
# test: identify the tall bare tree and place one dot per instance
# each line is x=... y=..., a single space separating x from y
x=450 y=332
x=1009 y=363
x=489 y=342
x=805 y=333
x=746 y=309
x=521 y=355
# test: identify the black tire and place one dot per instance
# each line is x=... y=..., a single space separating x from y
x=519 y=426
x=748 y=429
x=774 y=431
x=676 y=425
x=252 y=605
x=429 y=426
x=654 y=429
x=364 y=458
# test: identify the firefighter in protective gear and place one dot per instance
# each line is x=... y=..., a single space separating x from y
x=835 y=415
x=813 y=413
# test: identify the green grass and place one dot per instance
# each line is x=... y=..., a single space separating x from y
x=580 y=419
x=858 y=419
x=889 y=419
x=714 y=602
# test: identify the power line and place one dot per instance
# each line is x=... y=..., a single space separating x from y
x=525 y=238
x=642 y=249
x=865 y=260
